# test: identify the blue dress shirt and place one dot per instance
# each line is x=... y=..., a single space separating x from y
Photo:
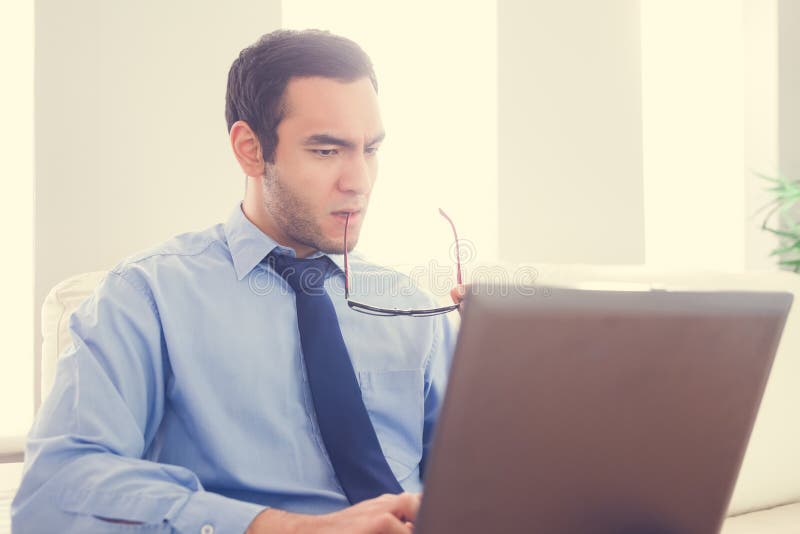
x=182 y=402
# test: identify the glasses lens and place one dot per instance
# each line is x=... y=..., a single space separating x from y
x=385 y=312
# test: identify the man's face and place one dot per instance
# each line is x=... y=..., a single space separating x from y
x=325 y=163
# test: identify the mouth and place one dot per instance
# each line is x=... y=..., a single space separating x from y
x=343 y=214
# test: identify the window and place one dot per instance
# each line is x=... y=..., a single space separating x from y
x=436 y=64
x=16 y=219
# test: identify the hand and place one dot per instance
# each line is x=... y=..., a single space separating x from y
x=387 y=514
x=457 y=294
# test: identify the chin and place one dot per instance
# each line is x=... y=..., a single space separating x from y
x=334 y=242
x=338 y=246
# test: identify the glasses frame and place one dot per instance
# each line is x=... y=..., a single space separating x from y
x=394 y=312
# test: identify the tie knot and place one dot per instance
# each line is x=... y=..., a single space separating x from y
x=306 y=276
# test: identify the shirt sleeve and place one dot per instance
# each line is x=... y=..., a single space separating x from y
x=436 y=371
x=84 y=459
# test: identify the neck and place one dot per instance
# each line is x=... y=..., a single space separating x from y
x=254 y=210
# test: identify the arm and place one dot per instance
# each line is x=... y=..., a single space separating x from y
x=387 y=514
x=84 y=462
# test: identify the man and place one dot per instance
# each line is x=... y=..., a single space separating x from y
x=220 y=382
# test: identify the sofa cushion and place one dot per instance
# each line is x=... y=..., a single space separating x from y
x=779 y=520
x=59 y=304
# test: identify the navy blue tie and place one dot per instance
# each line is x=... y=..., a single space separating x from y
x=346 y=429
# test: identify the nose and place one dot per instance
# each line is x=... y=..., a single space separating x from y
x=358 y=175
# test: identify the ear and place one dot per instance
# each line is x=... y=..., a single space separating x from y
x=247 y=149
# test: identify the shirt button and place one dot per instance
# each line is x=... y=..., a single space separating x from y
x=207 y=529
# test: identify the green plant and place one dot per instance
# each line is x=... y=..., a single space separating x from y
x=787 y=227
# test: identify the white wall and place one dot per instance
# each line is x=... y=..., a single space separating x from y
x=629 y=131
x=789 y=92
x=131 y=143
x=789 y=87
x=569 y=139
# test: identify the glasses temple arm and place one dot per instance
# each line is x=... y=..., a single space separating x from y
x=458 y=251
x=346 y=266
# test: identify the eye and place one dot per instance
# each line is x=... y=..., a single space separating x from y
x=325 y=152
x=371 y=150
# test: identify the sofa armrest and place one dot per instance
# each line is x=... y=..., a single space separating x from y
x=12 y=449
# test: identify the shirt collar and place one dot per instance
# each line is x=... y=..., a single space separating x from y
x=249 y=245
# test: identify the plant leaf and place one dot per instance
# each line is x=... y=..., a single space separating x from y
x=781 y=233
x=783 y=250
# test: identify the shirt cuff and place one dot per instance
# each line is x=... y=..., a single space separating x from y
x=210 y=513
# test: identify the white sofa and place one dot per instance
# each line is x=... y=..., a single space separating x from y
x=767 y=495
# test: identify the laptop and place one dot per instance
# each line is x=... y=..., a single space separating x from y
x=576 y=411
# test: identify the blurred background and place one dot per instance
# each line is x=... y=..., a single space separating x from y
x=577 y=131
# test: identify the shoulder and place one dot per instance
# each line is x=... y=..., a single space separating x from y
x=187 y=251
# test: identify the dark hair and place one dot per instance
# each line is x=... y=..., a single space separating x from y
x=258 y=77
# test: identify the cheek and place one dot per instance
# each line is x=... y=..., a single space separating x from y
x=373 y=168
x=309 y=179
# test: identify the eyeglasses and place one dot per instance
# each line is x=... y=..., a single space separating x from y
x=390 y=312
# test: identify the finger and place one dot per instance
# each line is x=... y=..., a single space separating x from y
x=409 y=524
x=407 y=506
x=388 y=524
x=457 y=293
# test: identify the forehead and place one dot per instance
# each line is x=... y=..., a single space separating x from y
x=315 y=105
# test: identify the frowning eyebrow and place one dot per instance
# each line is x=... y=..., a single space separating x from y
x=325 y=139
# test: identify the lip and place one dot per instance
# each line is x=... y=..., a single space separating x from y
x=348 y=210
x=341 y=216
